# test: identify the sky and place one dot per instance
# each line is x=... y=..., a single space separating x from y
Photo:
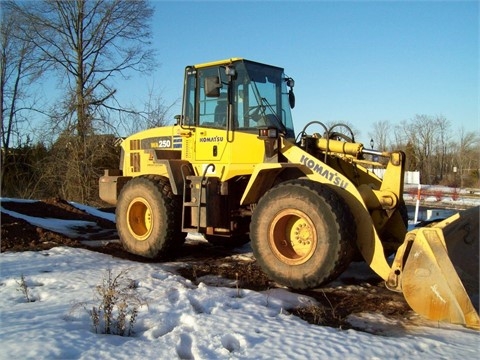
x=209 y=319
x=358 y=62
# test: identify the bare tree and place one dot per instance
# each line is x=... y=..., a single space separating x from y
x=155 y=113
x=467 y=155
x=381 y=130
x=420 y=135
x=19 y=68
x=89 y=43
x=435 y=152
x=443 y=137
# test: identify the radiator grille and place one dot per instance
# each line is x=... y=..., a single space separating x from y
x=135 y=144
x=135 y=161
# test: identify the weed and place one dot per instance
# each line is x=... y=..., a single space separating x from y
x=330 y=303
x=319 y=314
x=237 y=285
x=314 y=314
x=23 y=288
x=116 y=305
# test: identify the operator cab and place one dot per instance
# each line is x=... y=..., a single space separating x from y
x=238 y=95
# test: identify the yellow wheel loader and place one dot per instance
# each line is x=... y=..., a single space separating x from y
x=233 y=169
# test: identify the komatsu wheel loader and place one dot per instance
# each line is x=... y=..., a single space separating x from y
x=233 y=169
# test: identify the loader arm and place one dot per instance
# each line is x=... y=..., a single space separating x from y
x=437 y=267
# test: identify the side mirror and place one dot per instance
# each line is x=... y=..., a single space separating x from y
x=291 y=98
x=212 y=86
x=177 y=118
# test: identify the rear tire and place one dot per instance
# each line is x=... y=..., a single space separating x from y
x=302 y=234
x=148 y=217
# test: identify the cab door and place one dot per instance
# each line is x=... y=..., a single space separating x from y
x=211 y=137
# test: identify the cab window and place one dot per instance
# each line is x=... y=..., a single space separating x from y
x=212 y=111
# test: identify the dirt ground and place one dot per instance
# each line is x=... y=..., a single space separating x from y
x=200 y=261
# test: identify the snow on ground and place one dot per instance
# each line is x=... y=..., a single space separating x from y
x=185 y=321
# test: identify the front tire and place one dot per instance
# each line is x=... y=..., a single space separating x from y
x=148 y=217
x=303 y=234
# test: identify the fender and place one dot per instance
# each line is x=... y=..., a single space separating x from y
x=368 y=240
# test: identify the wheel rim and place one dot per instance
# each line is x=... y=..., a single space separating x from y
x=140 y=221
x=292 y=237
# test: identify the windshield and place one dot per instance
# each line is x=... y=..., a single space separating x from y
x=264 y=97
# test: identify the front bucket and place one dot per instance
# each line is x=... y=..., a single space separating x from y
x=439 y=278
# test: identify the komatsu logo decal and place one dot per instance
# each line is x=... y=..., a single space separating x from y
x=326 y=173
x=212 y=139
